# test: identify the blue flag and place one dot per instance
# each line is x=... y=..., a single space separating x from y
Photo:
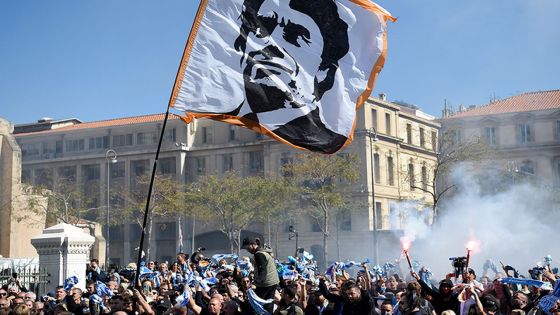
x=70 y=282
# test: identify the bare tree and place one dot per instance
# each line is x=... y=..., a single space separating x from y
x=433 y=177
x=64 y=201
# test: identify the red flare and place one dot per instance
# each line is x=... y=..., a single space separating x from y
x=405 y=243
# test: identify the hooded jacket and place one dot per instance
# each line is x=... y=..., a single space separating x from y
x=441 y=301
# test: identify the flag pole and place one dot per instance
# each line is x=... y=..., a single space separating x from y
x=147 y=209
x=174 y=91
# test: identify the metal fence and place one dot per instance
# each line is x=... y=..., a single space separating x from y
x=33 y=278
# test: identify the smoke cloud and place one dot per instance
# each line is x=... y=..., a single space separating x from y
x=514 y=226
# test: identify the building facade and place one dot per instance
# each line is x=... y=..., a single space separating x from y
x=15 y=235
x=395 y=145
x=524 y=131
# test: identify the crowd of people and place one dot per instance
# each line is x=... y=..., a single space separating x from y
x=261 y=284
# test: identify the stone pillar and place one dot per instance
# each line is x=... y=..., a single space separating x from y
x=63 y=252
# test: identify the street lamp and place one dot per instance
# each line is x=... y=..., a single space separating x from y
x=372 y=134
x=111 y=157
x=293 y=233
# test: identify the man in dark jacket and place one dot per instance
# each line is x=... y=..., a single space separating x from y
x=356 y=301
x=442 y=299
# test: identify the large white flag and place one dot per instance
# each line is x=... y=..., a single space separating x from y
x=296 y=70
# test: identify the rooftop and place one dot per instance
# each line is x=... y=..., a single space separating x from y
x=527 y=102
x=104 y=124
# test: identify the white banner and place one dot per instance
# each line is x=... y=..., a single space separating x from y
x=293 y=69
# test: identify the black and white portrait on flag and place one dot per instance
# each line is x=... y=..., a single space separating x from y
x=290 y=63
x=292 y=69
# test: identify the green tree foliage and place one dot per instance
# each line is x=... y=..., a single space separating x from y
x=324 y=184
x=166 y=202
x=234 y=202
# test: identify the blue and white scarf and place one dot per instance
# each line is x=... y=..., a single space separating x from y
x=258 y=303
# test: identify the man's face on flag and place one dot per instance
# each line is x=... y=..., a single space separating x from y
x=283 y=57
x=291 y=52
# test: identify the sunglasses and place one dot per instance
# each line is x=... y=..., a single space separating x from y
x=3 y=294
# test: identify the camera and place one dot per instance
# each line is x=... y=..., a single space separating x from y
x=459 y=264
x=535 y=272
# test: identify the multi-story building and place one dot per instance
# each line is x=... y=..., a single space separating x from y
x=524 y=130
x=395 y=145
x=15 y=233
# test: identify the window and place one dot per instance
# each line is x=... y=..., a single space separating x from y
x=200 y=164
x=122 y=140
x=285 y=161
x=490 y=135
x=232 y=129
x=434 y=140
x=139 y=167
x=378 y=216
x=143 y=138
x=167 y=166
x=411 y=176
x=393 y=213
x=117 y=170
x=344 y=218
x=44 y=177
x=374 y=118
x=524 y=133
x=76 y=145
x=388 y=123
x=26 y=176
x=455 y=136
x=134 y=234
x=390 y=171
x=256 y=161
x=424 y=178
x=527 y=167
x=117 y=234
x=206 y=135
x=409 y=133
x=67 y=173
x=227 y=163
x=49 y=149
x=91 y=172
x=315 y=227
x=557 y=130
x=30 y=149
x=99 y=143
x=376 y=168
x=422 y=138
x=170 y=135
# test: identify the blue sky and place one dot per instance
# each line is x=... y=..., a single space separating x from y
x=97 y=60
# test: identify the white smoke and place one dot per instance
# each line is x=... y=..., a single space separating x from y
x=514 y=226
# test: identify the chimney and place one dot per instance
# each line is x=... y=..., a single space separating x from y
x=383 y=96
x=44 y=120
